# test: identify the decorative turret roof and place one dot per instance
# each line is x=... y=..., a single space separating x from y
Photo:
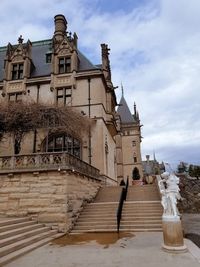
x=124 y=112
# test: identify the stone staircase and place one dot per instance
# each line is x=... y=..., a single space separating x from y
x=21 y=235
x=142 y=211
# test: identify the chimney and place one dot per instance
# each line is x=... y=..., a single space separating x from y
x=60 y=27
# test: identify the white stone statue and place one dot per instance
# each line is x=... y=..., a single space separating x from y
x=170 y=193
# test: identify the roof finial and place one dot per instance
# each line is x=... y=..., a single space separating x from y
x=135 y=110
x=20 y=39
x=122 y=89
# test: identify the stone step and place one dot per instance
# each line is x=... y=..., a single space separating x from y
x=15 y=238
x=105 y=212
x=21 y=230
x=144 y=218
x=12 y=256
x=124 y=218
x=9 y=221
x=25 y=242
x=133 y=222
x=106 y=194
x=125 y=212
x=16 y=225
x=100 y=209
x=129 y=227
x=74 y=232
x=141 y=226
x=128 y=207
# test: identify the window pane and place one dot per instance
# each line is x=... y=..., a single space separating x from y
x=58 y=143
x=60 y=92
x=14 y=75
x=14 y=67
x=21 y=66
x=68 y=60
x=51 y=145
x=20 y=74
x=61 y=61
x=48 y=58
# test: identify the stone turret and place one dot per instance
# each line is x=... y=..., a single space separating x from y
x=60 y=27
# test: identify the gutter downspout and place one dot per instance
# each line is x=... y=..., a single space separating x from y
x=35 y=131
x=89 y=114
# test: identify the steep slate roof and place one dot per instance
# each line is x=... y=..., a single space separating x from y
x=39 y=51
x=124 y=112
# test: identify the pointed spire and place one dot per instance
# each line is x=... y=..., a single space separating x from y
x=137 y=116
x=122 y=88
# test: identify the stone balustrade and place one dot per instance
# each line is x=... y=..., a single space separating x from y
x=43 y=161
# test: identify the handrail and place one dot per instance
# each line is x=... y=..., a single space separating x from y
x=121 y=203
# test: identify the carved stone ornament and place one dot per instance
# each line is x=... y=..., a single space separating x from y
x=18 y=57
x=63 y=48
x=64 y=51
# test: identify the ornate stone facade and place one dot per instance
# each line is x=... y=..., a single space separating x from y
x=55 y=72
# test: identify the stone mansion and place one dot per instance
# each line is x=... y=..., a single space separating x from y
x=55 y=72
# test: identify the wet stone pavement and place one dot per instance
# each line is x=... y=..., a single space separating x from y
x=106 y=250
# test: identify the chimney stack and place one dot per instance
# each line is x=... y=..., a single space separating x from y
x=60 y=27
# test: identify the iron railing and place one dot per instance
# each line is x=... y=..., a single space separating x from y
x=47 y=161
x=121 y=203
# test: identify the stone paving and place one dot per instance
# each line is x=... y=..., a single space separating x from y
x=140 y=249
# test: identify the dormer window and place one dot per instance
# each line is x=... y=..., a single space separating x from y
x=17 y=71
x=64 y=65
x=48 y=57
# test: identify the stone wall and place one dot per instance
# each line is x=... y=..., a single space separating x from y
x=190 y=193
x=51 y=196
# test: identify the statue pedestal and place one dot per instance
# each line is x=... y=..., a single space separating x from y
x=173 y=235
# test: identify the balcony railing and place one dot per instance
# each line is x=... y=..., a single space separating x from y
x=46 y=161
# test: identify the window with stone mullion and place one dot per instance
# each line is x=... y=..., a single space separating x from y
x=64 y=65
x=17 y=71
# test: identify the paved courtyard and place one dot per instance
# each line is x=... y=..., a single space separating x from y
x=140 y=250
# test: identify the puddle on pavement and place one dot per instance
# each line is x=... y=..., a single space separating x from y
x=104 y=239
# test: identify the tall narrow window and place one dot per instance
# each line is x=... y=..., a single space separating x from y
x=17 y=71
x=64 y=65
x=64 y=96
x=135 y=159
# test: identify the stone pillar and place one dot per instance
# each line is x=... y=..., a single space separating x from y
x=173 y=235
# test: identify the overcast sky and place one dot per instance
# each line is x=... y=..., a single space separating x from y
x=155 y=53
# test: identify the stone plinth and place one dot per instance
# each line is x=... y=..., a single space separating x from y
x=173 y=235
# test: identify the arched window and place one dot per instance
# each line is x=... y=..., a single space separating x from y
x=63 y=142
